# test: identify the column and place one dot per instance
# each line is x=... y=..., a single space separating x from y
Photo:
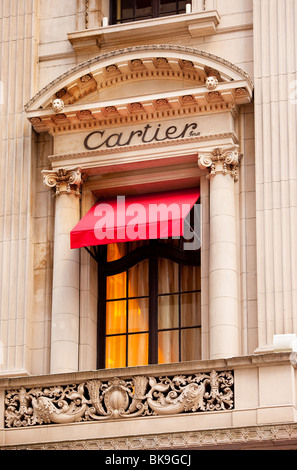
x=65 y=298
x=223 y=282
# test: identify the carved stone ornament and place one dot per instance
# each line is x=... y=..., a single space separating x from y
x=57 y=105
x=119 y=399
x=64 y=181
x=225 y=161
x=211 y=82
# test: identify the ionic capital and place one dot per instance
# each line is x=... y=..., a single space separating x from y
x=63 y=181
x=220 y=160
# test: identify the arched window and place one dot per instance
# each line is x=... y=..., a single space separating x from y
x=149 y=307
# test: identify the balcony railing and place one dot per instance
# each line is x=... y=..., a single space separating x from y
x=119 y=398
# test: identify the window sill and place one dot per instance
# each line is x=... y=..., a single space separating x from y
x=194 y=24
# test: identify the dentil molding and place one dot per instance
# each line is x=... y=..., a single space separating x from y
x=249 y=437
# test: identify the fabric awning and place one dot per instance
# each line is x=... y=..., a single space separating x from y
x=137 y=217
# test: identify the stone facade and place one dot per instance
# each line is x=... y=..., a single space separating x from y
x=91 y=110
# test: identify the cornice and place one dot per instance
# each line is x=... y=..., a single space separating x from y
x=238 y=362
x=133 y=148
x=246 y=437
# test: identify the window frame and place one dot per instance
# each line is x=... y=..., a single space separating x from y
x=152 y=252
x=113 y=8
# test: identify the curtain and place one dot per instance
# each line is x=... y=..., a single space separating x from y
x=126 y=313
x=175 y=294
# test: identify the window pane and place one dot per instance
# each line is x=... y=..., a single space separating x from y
x=168 y=348
x=125 y=10
x=138 y=315
x=115 y=317
x=115 y=352
x=116 y=251
x=191 y=344
x=138 y=350
x=168 y=311
x=143 y=8
x=190 y=309
x=138 y=280
x=190 y=278
x=168 y=276
x=167 y=6
x=137 y=244
x=182 y=5
x=116 y=286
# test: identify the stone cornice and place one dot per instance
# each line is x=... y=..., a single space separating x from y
x=133 y=148
x=239 y=362
x=196 y=101
x=246 y=437
x=192 y=25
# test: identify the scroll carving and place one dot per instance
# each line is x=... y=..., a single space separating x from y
x=64 y=181
x=224 y=161
x=96 y=400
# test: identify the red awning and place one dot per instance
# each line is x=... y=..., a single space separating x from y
x=137 y=217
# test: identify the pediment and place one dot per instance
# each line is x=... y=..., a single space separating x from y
x=141 y=81
x=140 y=86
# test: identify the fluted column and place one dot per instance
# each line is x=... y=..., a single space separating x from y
x=65 y=298
x=223 y=284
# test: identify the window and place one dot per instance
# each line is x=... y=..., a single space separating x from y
x=123 y=11
x=149 y=303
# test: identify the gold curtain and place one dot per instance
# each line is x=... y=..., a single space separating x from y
x=131 y=334
x=168 y=312
x=116 y=313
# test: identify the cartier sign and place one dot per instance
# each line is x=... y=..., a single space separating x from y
x=109 y=138
x=142 y=135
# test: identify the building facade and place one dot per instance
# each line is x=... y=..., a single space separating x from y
x=113 y=333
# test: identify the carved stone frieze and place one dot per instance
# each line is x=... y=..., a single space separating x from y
x=64 y=181
x=225 y=161
x=97 y=400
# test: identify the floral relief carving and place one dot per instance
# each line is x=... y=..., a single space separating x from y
x=220 y=160
x=97 y=400
x=64 y=181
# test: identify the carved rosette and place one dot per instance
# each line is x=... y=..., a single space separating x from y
x=64 y=181
x=117 y=398
x=220 y=160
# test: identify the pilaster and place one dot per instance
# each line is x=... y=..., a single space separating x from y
x=276 y=167
x=18 y=56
